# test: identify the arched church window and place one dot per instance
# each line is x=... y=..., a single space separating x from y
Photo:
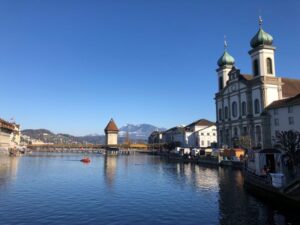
x=244 y=108
x=256 y=106
x=234 y=109
x=255 y=67
x=269 y=66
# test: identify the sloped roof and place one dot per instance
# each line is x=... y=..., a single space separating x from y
x=111 y=126
x=181 y=128
x=246 y=76
x=291 y=87
x=201 y=122
x=6 y=124
x=295 y=100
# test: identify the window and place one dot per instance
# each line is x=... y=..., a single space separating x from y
x=226 y=112
x=276 y=122
x=208 y=134
x=202 y=134
x=234 y=109
x=291 y=120
x=256 y=106
x=227 y=136
x=214 y=134
x=269 y=66
x=255 y=67
x=202 y=143
x=244 y=109
x=235 y=130
x=258 y=134
x=290 y=109
x=220 y=83
x=245 y=131
x=220 y=114
x=221 y=136
x=275 y=111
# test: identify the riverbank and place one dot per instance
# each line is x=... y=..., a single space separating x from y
x=201 y=160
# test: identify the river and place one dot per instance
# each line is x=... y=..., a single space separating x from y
x=54 y=188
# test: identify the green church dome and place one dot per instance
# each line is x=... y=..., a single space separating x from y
x=225 y=59
x=261 y=37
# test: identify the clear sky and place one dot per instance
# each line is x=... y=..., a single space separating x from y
x=69 y=66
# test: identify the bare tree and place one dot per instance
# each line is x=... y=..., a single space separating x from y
x=289 y=141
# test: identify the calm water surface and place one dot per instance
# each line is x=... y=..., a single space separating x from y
x=136 y=189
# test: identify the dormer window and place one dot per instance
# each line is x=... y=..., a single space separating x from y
x=269 y=66
x=255 y=67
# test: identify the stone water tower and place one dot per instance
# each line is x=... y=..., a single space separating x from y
x=111 y=133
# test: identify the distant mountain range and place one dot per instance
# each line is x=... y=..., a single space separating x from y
x=140 y=131
x=137 y=133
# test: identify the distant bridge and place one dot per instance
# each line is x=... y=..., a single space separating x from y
x=85 y=148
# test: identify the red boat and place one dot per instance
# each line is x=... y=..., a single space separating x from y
x=85 y=160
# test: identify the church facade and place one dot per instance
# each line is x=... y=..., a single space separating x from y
x=242 y=99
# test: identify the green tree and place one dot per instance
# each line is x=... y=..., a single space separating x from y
x=244 y=142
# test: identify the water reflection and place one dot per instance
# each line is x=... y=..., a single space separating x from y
x=237 y=206
x=156 y=192
x=110 y=167
x=8 y=168
x=201 y=178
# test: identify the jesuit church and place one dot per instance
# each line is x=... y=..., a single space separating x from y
x=242 y=100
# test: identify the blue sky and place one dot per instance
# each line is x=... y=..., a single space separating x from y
x=69 y=66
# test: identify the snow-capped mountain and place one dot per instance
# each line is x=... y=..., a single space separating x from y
x=139 y=131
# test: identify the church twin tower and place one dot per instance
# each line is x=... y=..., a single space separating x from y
x=242 y=98
x=262 y=57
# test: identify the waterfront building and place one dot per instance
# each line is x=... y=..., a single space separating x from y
x=201 y=133
x=6 y=131
x=111 y=133
x=284 y=115
x=15 y=136
x=242 y=99
x=10 y=134
x=156 y=137
x=175 y=135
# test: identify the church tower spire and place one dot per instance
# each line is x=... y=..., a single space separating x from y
x=225 y=63
x=262 y=53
